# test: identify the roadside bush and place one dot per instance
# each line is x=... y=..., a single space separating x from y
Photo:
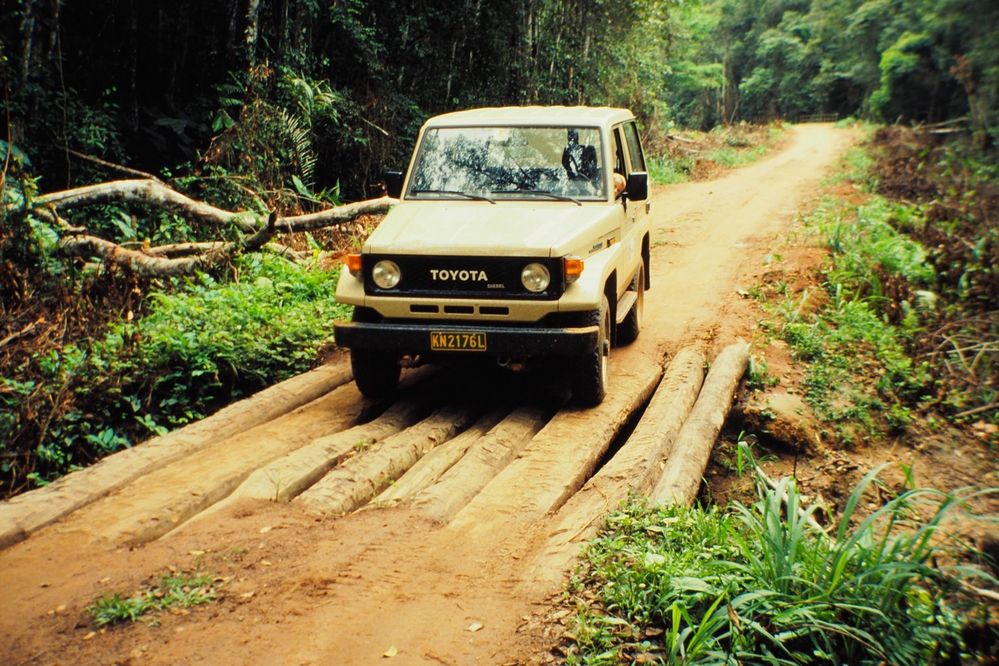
x=197 y=346
x=764 y=584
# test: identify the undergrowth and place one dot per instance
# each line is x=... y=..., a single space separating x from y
x=766 y=584
x=685 y=159
x=877 y=292
x=899 y=326
x=113 y=359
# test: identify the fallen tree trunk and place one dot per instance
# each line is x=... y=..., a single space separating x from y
x=182 y=258
x=633 y=467
x=685 y=467
x=154 y=193
x=155 y=266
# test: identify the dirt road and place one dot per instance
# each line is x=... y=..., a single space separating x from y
x=449 y=564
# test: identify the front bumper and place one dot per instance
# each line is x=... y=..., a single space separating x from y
x=499 y=340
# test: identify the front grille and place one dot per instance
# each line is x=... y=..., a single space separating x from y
x=464 y=277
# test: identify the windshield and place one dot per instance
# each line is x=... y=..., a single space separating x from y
x=544 y=163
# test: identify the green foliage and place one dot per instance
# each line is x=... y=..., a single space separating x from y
x=869 y=253
x=670 y=170
x=267 y=124
x=762 y=584
x=858 y=365
x=214 y=341
x=174 y=590
x=197 y=348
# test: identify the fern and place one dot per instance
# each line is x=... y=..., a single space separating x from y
x=301 y=141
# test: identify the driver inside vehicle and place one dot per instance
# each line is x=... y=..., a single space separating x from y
x=579 y=161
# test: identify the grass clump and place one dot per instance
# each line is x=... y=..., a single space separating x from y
x=172 y=591
x=764 y=584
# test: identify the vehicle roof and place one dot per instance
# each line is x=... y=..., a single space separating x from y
x=557 y=116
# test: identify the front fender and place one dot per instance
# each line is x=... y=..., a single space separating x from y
x=586 y=292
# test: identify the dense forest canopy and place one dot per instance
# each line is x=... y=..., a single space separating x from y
x=333 y=92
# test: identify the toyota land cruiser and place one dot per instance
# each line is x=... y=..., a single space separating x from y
x=520 y=233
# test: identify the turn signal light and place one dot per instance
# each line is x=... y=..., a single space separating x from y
x=353 y=262
x=573 y=269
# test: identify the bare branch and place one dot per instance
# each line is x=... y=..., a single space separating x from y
x=334 y=216
x=120 y=168
x=149 y=192
x=155 y=193
x=183 y=258
x=154 y=266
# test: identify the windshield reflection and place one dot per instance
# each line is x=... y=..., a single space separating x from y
x=547 y=163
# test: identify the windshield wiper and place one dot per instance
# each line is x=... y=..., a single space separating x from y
x=544 y=193
x=467 y=195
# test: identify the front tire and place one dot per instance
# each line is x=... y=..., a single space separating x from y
x=375 y=372
x=592 y=370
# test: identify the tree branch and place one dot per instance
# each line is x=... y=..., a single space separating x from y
x=149 y=192
x=155 y=266
x=155 y=193
x=183 y=258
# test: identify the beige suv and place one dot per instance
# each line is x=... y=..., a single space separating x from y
x=521 y=233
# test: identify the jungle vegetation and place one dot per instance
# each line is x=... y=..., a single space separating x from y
x=280 y=107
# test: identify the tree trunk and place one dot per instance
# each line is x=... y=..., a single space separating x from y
x=251 y=31
x=289 y=476
x=484 y=459
x=632 y=469
x=163 y=261
x=682 y=475
x=30 y=511
x=436 y=463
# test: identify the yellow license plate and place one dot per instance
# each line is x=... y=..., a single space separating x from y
x=456 y=341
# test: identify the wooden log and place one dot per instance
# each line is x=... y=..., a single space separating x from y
x=685 y=467
x=30 y=511
x=148 y=192
x=632 y=469
x=432 y=466
x=359 y=479
x=560 y=458
x=483 y=461
x=291 y=475
x=185 y=258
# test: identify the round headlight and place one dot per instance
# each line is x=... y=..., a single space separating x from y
x=386 y=274
x=535 y=277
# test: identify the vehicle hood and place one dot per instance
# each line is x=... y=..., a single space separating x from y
x=507 y=228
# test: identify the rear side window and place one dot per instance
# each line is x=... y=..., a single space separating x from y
x=637 y=159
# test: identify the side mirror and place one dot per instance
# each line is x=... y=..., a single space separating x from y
x=638 y=186
x=393 y=183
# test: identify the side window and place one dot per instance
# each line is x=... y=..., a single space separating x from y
x=634 y=147
x=619 y=153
